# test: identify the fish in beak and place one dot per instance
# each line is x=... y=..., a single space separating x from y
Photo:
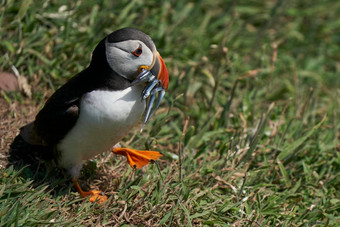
x=156 y=78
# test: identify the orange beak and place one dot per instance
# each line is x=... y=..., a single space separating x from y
x=159 y=69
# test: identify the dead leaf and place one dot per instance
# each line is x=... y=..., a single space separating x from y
x=24 y=86
x=22 y=81
x=8 y=82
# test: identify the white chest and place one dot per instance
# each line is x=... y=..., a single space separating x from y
x=105 y=118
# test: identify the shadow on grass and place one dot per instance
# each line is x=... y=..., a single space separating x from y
x=34 y=163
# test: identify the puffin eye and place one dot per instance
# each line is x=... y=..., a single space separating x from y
x=138 y=51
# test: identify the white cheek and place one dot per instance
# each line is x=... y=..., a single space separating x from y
x=125 y=63
x=119 y=61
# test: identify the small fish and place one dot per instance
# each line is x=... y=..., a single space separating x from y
x=152 y=90
x=143 y=77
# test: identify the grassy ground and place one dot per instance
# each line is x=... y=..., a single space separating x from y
x=249 y=127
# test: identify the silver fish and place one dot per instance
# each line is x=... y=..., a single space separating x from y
x=143 y=77
x=152 y=90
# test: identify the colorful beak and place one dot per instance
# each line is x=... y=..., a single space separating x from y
x=160 y=71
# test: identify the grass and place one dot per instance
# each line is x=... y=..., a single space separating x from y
x=249 y=127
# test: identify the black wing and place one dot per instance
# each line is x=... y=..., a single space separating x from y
x=54 y=121
x=62 y=110
x=58 y=116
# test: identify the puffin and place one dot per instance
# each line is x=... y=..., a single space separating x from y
x=90 y=114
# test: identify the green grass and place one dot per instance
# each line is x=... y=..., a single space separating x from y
x=257 y=82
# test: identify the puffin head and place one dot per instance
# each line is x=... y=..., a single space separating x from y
x=128 y=51
x=132 y=55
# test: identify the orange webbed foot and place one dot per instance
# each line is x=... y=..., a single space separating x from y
x=95 y=196
x=136 y=158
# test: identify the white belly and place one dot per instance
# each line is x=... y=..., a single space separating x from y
x=105 y=118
